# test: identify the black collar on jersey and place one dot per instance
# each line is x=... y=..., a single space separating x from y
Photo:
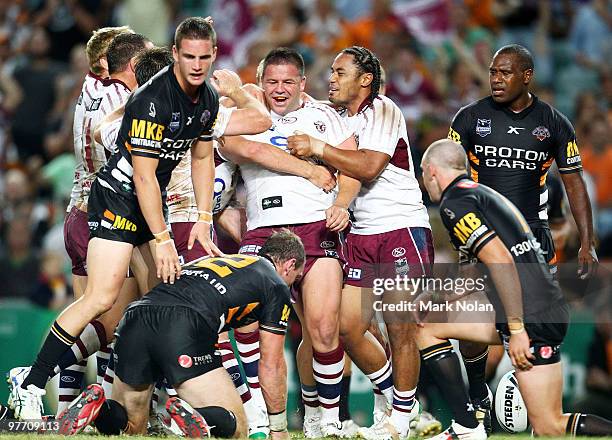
x=176 y=84
x=516 y=116
x=269 y=258
x=450 y=185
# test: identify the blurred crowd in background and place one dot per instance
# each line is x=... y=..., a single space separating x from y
x=435 y=53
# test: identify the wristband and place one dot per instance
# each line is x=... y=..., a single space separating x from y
x=162 y=237
x=205 y=217
x=517 y=326
x=278 y=422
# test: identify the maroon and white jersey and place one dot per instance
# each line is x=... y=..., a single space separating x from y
x=275 y=199
x=182 y=206
x=393 y=200
x=98 y=98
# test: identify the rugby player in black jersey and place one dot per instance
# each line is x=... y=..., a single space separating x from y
x=172 y=331
x=176 y=111
x=511 y=139
x=531 y=313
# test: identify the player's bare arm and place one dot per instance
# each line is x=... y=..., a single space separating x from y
x=203 y=178
x=251 y=116
x=150 y=201
x=240 y=150
x=107 y=121
x=503 y=270
x=581 y=210
x=273 y=380
x=365 y=165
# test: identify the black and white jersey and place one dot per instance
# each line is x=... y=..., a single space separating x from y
x=512 y=152
x=474 y=214
x=160 y=122
x=229 y=292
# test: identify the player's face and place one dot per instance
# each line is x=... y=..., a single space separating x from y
x=506 y=78
x=194 y=59
x=344 y=81
x=282 y=85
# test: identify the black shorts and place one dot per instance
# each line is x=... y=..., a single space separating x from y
x=154 y=342
x=544 y=237
x=115 y=217
x=546 y=332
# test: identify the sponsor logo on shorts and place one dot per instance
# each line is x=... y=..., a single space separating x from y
x=354 y=274
x=201 y=360
x=185 y=361
x=272 y=202
x=68 y=379
x=401 y=266
x=449 y=213
x=327 y=244
x=483 y=127
x=331 y=253
x=398 y=252
x=118 y=222
x=93 y=225
x=546 y=352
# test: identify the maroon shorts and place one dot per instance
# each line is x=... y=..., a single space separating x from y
x=181 y=231
x=319 y=242
x=404 y=252
x=76 y=238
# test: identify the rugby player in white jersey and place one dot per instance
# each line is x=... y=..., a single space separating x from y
x=277 y=199
x=100 y=94
x=391 y=235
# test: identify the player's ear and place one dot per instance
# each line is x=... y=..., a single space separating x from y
x=289 y=265
x=175 y=53
x=302 y=84
x=527 y=75
x=104 y=63
x=366 y=79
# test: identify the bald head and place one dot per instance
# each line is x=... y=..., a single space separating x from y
x=442 y=162
x=446 y=154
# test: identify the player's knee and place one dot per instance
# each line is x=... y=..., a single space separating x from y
x=100 y=303
x=223 y=423
x=324 y=334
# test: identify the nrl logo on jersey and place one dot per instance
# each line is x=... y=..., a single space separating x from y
x=175 y=123
x=541 y=133
x=483 y=127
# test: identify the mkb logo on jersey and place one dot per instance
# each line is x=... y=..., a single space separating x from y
x=573 y=155
x=469 y=228
x=483 y=127
x=146 y=133
x=117 y=222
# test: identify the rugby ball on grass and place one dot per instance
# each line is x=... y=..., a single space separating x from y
x=510 y=409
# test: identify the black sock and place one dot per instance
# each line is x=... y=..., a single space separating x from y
x=345 y=391
x=475 y=367
x=445 y=369
x=57 y=343
x=221 y=421
x=112 y=418
x=588 y=425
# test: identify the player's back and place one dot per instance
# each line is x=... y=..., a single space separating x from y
x=229 y=292
x=474 y=214
x=98 y=98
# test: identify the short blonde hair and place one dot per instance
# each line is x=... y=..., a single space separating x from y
x=98 y=44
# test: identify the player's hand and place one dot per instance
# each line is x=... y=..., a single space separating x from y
x=419 y=311
x=303 y=145
x=201 y=232
x=255 y=91
x=226 y=82
x=321 y=177
x=518 y=350
x=336 y=218
x=587 y=262
x=167 y=262
x=279 y=435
